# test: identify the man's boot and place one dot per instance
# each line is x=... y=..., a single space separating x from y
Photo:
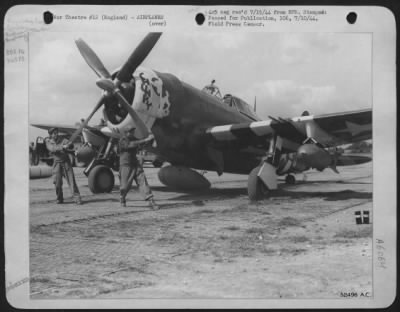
x=78 y=201
x=123 y=202
x=153 y=204
x=60 y=198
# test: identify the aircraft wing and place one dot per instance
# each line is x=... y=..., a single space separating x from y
x=328 y=129
x=63 y=129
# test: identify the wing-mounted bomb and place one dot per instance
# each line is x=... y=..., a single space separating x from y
x=308 y=156
x=314 y=156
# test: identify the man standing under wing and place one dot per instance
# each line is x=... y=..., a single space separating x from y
x=62 y=166
x=131 y=169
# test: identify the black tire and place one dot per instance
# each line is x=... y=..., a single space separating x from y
x=157 y=163
x=101 y=179
x=290 y=179
x=256 y=189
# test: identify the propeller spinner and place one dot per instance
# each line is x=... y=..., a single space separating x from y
x=124 y=75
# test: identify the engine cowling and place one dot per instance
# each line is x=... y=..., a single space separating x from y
x=148 y=97
x=182 y=178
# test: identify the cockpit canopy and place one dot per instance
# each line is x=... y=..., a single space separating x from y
x=240 y=105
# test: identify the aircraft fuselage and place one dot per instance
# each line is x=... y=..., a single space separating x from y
x=178 y=115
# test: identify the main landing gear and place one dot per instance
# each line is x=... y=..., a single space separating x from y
x=101 y=179
x=263 y=179
x=256 y=187
x=99 y=173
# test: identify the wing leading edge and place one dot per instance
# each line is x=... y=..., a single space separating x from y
x=328 y=129
x=63 y=129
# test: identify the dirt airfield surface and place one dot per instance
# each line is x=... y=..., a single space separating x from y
x=302 y=242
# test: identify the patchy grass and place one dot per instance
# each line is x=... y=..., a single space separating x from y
x=292 y=251
x=204 y=211
x=223 y=237
x=268 y=250
x=171 y=238
x=104 y=290
x=361 y=233
x=232 y=228
x=289 y=221
x=299 y=239
x=255 y=230
x=75 y=293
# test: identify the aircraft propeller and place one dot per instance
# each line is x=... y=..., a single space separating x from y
x=137 y=57
x=124 y=75
x=92 y=59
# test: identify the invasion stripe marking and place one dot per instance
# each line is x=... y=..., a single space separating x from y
x=222 y=133
x=242 y=131
x=261 y=127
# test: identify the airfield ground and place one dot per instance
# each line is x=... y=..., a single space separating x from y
x=303 y=242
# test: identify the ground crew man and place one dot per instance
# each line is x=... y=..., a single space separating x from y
x=58 y=148
x=131 y=169
x=32 y=155
x=212 y=89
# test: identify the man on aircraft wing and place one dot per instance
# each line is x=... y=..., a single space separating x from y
x=62 y=166
x=212 y=89
x=131 y=169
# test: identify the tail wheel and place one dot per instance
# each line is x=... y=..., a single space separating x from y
x=255 y=187
x=101 y=179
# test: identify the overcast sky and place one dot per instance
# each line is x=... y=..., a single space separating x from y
x=288 y=73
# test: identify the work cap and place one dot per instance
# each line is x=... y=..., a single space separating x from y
x=51 y=130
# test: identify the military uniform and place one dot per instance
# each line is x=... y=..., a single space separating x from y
x=62 y=167
x=131 y=169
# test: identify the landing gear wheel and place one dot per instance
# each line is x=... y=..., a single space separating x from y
x=290 y=179
x=255 y=187
x=101 y=179
x=157 y=163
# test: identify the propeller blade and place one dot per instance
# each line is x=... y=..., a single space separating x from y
x=138 y=56
x=141 y=127
x=84 y=124
x=92 y=59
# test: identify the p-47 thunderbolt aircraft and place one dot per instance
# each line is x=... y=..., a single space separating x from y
x=197 y=130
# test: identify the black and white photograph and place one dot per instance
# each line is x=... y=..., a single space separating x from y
x=212 y=160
